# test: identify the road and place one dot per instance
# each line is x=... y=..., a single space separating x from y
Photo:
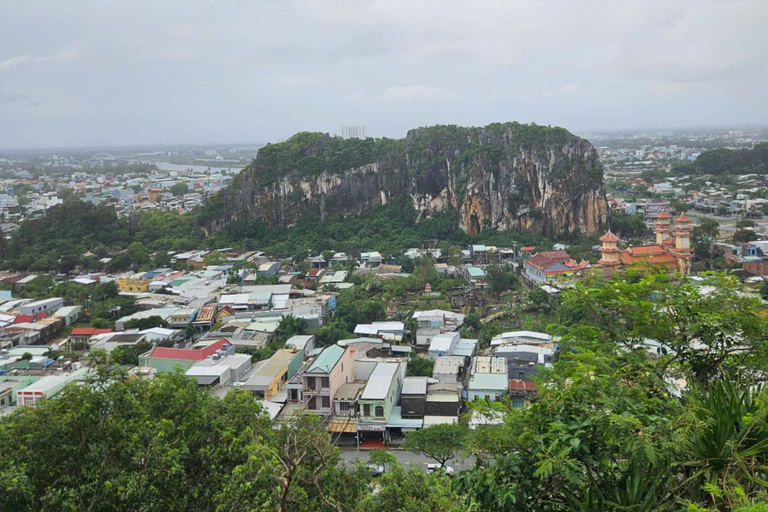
x=407 y=459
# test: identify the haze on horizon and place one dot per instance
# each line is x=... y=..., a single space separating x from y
x=170 y=71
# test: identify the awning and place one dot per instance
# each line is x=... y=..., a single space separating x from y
x=397 y=421
x=342 y=426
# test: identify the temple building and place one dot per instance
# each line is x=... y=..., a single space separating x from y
x=671 y=251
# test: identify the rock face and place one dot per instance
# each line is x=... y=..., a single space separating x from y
x=504 y=176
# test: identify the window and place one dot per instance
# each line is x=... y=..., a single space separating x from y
x=344 y=406
x=488 y=398
x=379 y=411
x=326 y=402
x=517 y=404
x=324 y=381
x=366 y=410
x=521 y=375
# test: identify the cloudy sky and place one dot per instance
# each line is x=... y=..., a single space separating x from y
x=177 y=71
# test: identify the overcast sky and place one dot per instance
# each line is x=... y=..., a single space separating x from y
x=189 y=71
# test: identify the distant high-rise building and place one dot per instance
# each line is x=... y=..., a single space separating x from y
x=354 y=132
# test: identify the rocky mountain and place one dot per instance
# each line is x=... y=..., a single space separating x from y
x=506 y=176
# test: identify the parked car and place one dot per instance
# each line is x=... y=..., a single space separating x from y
x=375 y=469
x=448 y=470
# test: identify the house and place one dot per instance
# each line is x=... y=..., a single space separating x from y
x=370 y=258
x=134 y=284
x=269 y=268
x=303 y=343
x=476 y=276
x=449 y=369
x=379 y=398
x=82 y=335
x=45 y=306
x=433 y=322
x=70 y=314
x=217 y=371
x=488 y=379
x=165 y=359
x=517 y=337
x=332 y=368
x=182 y=317
x=274 y=373
x=521 y=392
x=314 y=275
x=384 y=330
x=443 y=344
x=110 y=341
x=345 y=401
x=21 y=283
x=48 y=387
x=549 y=265
x=479 y=254
x=413 y=397
x=160 y=334
x=443 y=403
x=205 y=317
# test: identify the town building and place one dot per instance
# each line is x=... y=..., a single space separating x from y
x=672 y=250
x=547 y=266
x=167 y=359
x=488 y=379
x=273 y=374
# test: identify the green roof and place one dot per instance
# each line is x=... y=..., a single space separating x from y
x=327 y=359
x=475 y=272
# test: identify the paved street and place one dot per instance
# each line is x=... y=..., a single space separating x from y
x=407 y=459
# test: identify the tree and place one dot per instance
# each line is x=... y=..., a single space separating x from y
x=129 y=354
x=214 y=258
x=500 y=278
x=413 y=491
x=703 y=237
x=382 y=458
x=406 y=265
x=440 y=443
x=420 y=367
x=472 y=321
x=145 y=323
x=179 y=189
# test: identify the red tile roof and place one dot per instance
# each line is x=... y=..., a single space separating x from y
x=609 y=237
x=663 y=215
x=528 y=248
x=189 y=354
x=88 y=331
x=521 y=385
x=682 y=218
x=544 y=260
x=24 y=319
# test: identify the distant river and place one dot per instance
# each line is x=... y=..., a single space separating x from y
x=168 y=166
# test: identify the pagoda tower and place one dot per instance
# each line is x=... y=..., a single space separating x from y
x=662 y=227
x=682 y=250
x=609 y=250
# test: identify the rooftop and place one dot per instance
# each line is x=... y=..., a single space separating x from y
x=189 y=354
x=380 y=381
x=327 y=359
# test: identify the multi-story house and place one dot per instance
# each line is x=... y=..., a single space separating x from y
x=331 y=369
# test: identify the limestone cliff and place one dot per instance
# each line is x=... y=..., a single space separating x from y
x=506 y=176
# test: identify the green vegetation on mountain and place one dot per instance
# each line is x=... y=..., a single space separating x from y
x=508 y=176
x=730 y=161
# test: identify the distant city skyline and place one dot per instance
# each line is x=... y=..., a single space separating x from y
x=171 y=72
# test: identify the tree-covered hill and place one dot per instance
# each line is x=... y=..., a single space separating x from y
x=731 y=161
